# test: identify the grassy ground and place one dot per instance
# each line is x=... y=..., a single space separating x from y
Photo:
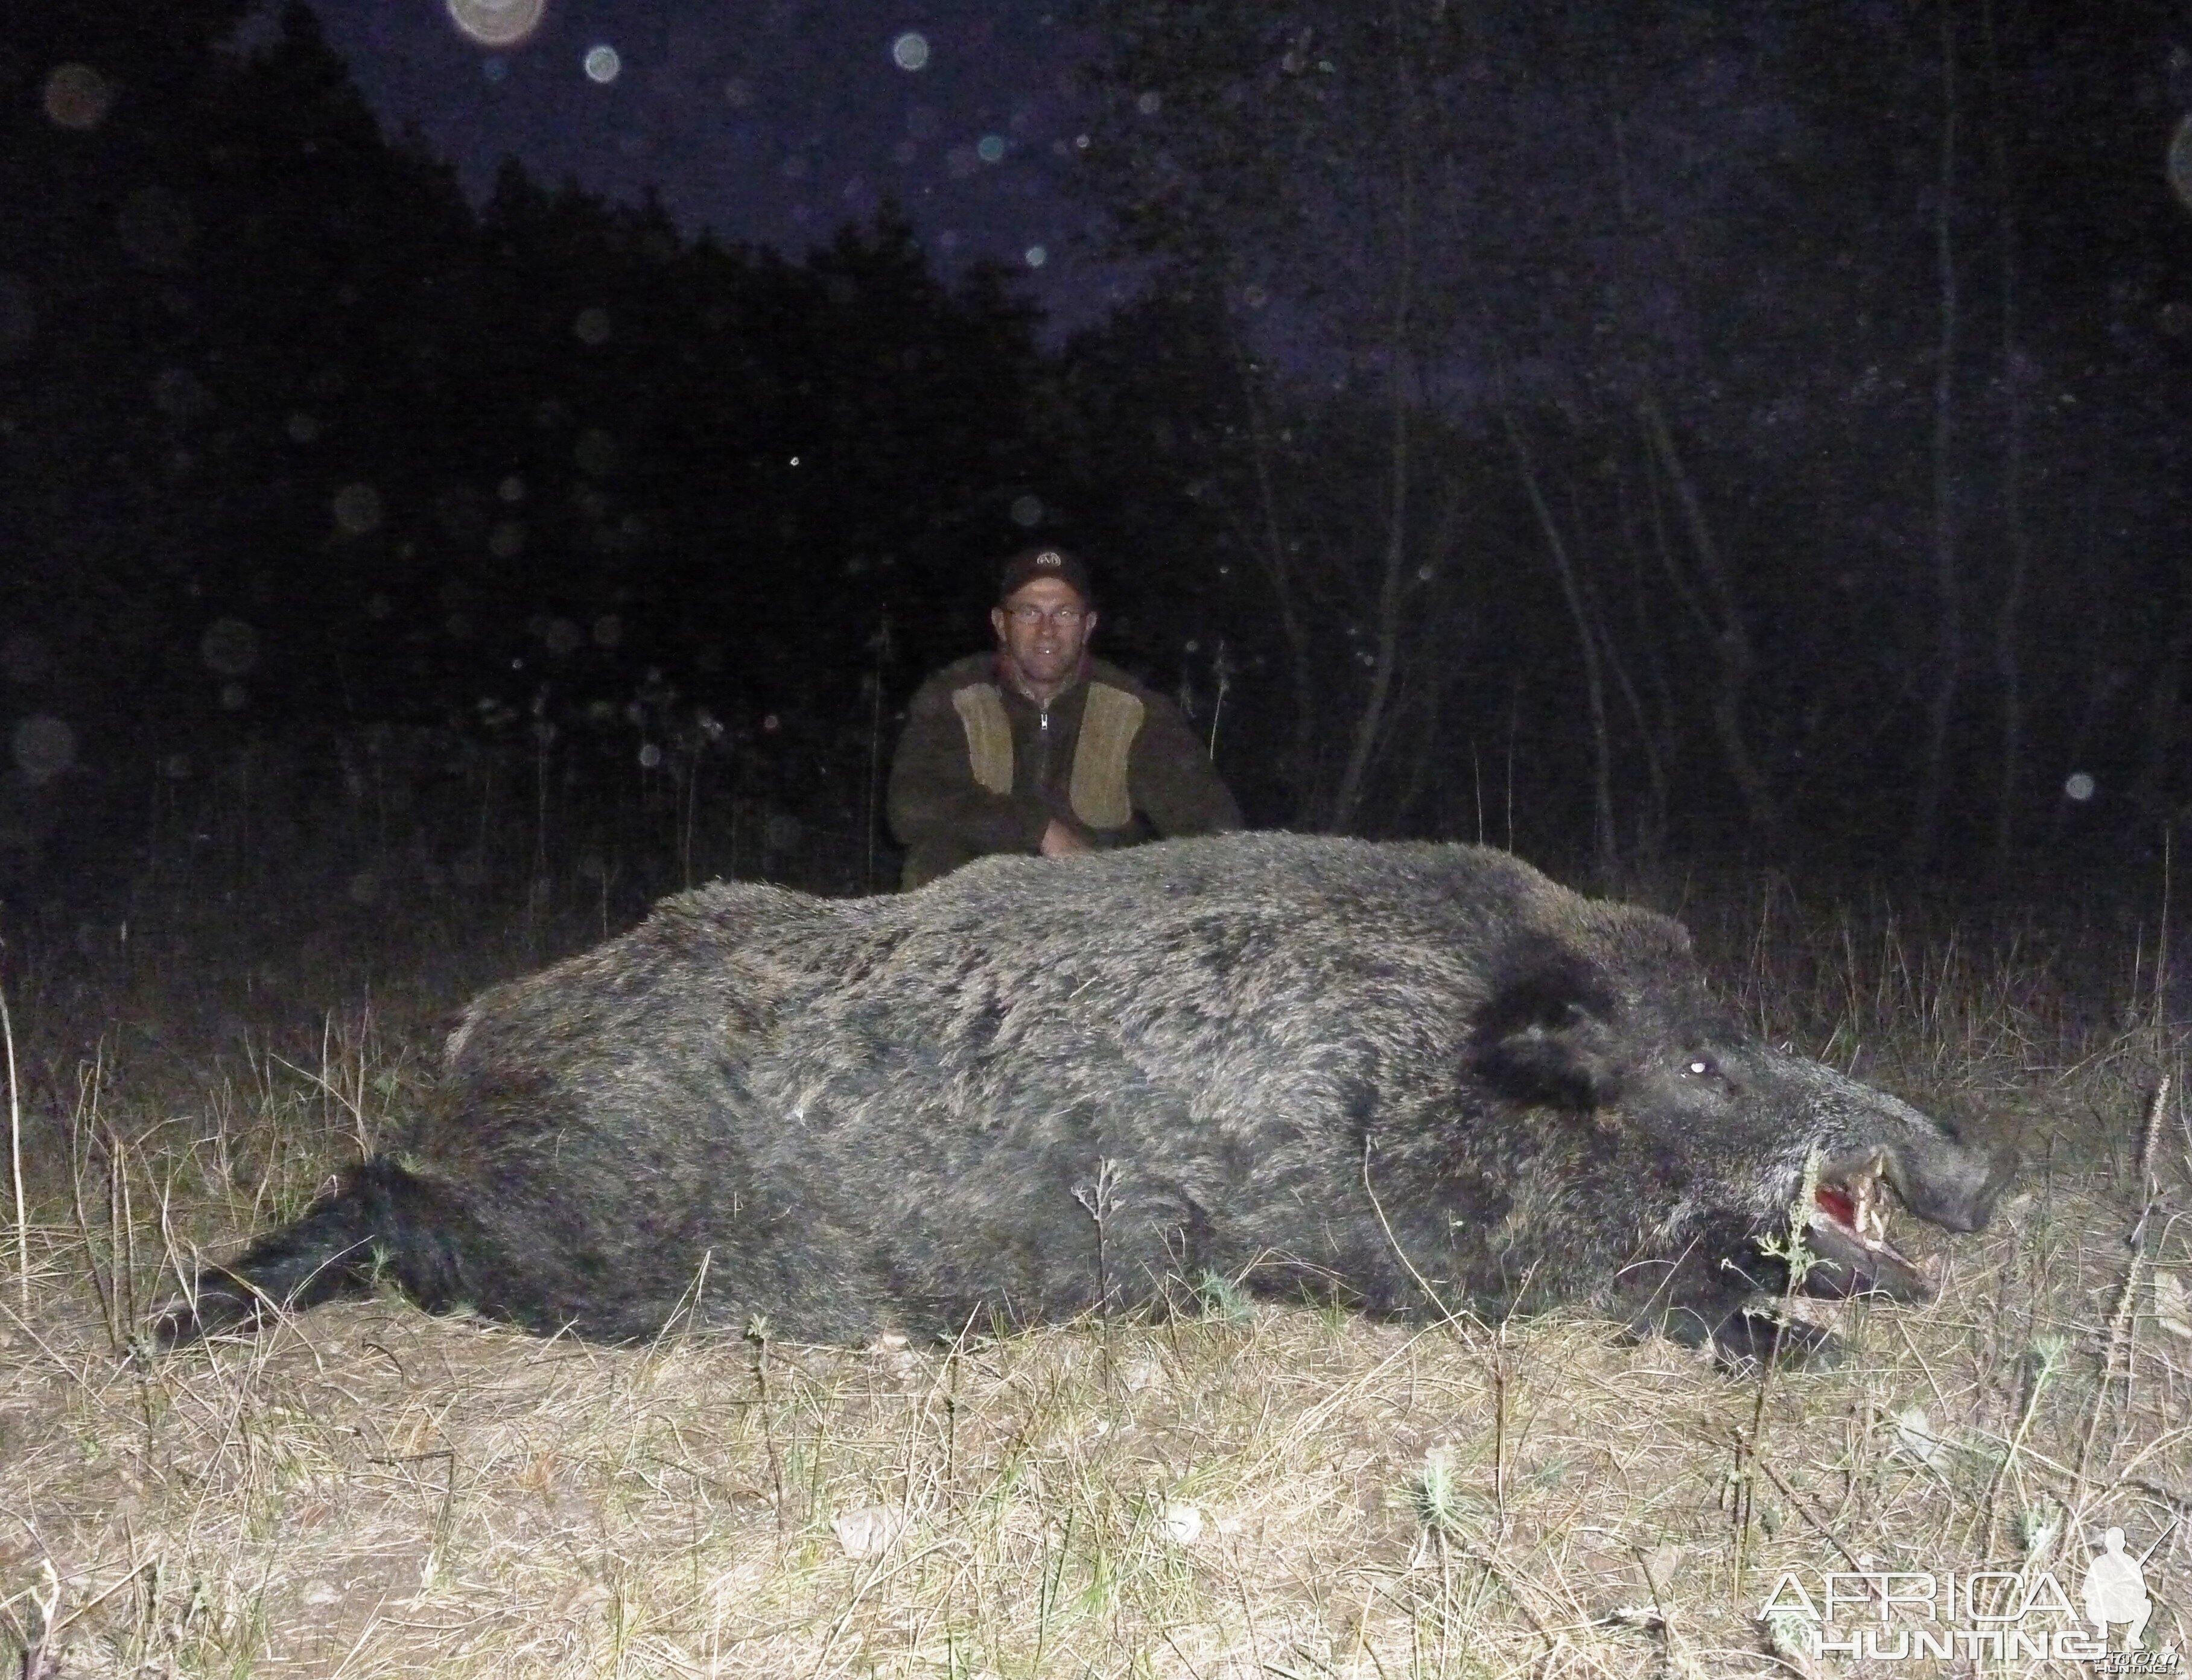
x=367 y=1490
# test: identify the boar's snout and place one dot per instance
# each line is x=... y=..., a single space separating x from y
x=1948 y=1184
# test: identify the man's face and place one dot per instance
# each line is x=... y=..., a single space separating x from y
x=1042 y=626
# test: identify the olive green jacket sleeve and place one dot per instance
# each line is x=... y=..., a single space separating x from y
x=1173 y=783
x=937 y=811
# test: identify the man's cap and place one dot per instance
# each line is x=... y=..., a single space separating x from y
x=1030 y=564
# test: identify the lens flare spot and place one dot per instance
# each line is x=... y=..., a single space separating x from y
x=990 y=148
x=43 y=746
x=2180 y=163
x=77 y=97
x=2080 y=788
x=496 y=23
x=229 y=648
x=910 y=50
x=358 y=508
x=602 y=66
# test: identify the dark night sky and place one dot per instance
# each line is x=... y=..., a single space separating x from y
x=771 y=123
x=1652 y=352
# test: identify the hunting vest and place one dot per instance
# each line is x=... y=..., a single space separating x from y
x=1111 y=718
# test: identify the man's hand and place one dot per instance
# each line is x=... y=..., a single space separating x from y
x=1060 y=841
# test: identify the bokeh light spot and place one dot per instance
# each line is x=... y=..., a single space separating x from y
x=737 y=93
x=2180 y=163
x=229 y=648
x=77 y=97
x=44 y=747
x=364 y=887
x=2080 y=788
x=496 y=23
x=910 y=50
x=592 y=325
x=1151 y=103
x=1027 y=510
x=650 y=757
x=234 y=696
x=602 y=64
x=990 y=148
x=358 y=508
x=302 y=427
x=1036 y=256
x=511 y=489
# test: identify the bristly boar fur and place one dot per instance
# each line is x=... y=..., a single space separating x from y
x=1395 y=1075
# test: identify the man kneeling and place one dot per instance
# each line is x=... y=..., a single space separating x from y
x=1040 y=747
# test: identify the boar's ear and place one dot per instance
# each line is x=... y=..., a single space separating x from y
x=1546 y=1032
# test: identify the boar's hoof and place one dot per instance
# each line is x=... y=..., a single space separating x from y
x=1847 y=1233
x=1744 y=1342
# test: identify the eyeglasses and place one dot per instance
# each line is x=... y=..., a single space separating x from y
x=1065 y=618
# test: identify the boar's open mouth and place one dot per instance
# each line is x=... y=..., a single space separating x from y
x=1847 y=1233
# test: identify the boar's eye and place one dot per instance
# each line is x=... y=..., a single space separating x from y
x=1701 y=1068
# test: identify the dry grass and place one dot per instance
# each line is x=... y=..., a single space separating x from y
x=367 y=1490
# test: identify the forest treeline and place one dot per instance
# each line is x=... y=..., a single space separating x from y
x=1684 y=431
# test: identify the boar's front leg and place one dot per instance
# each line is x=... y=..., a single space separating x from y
x=1718 y=1294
